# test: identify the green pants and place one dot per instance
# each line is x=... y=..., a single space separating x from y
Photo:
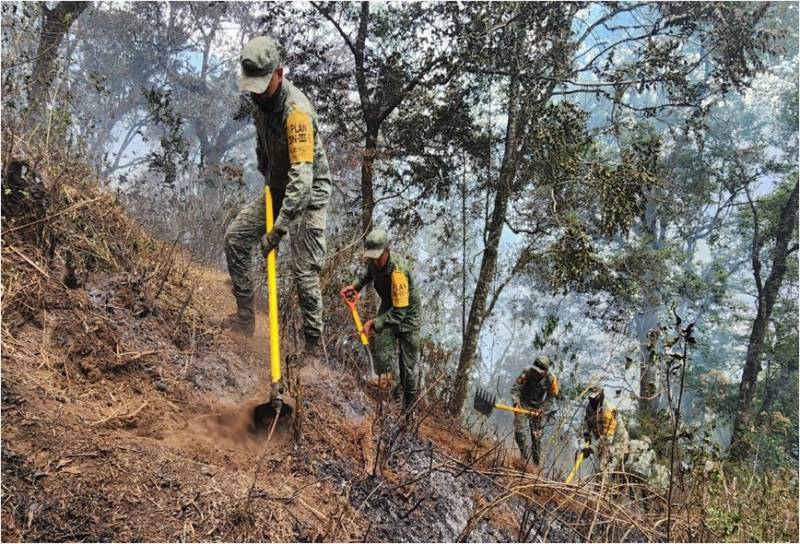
x=307 y=256
x=386 y=344
x=529 y=426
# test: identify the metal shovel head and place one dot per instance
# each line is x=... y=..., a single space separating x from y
x=264 y=415
x=371 y=374
x=484 y=401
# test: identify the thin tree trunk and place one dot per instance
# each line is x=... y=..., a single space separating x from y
x=765 y=304
x=645 y=322
x=477 y=308
x=367 y=177
x=493 y=232
x=55 y=24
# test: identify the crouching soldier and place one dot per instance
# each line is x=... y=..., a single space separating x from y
x=534 y=390
x=641 y=462
x=397 y=325
x=604 y=431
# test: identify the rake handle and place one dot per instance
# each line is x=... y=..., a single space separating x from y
x=516 y=410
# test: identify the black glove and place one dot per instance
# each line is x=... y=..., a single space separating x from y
x=270 y=241
x=586 y=436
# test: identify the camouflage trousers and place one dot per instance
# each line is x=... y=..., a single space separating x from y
x=529 y=427
x=386 y=344
x=607 y=455
x=307 y=256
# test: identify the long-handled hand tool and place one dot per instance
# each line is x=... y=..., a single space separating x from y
x=351 y=303
x=585 y=452
x=263 y=413
x=484 y=402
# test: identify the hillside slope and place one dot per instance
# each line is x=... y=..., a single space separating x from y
x=125 y=415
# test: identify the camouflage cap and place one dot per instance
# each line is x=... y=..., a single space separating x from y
x=375 y=243
x=594 y=391
x=542 y=363
x=259 y=58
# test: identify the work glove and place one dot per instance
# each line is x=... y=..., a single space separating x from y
x=349 y=292
x=270 y=241
x=367 y=329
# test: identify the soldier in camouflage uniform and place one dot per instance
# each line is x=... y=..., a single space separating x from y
x=641 y=461
x=397 y=323
x=292 y=159
x=535 y=389
x=605 y=431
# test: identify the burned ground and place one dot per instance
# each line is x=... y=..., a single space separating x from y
x=126 y=415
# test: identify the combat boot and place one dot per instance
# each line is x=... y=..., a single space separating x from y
x=311 y=351
x=243 y=320
x=409 y=410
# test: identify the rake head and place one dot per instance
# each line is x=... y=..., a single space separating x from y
x=484 y=401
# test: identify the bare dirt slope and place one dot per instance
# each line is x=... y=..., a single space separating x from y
x=153 y=442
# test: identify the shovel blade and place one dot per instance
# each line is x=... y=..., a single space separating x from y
x=484 y=401
x=264 y=416
x=371 y=374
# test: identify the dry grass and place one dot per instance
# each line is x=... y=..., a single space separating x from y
x=112 y=433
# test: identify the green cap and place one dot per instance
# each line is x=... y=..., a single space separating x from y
x=259 y=59
x=542 y=363
x=375 y=243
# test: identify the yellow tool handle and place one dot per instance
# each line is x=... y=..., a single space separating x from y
x=360 y=327
x=572 y=474
x=518 y=410
x=272 y=292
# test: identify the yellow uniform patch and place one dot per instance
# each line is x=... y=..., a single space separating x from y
x=399 y=289
x=554 y=387
x=300 y=136
x=608 y=423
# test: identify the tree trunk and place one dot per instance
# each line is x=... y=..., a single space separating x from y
x=367 y=176
x=478 y=307
x=647 y=333
x=764 y=306
x=493 y=230
x=55 y=24
x=645 y=322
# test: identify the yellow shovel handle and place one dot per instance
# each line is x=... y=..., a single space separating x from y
x=272 y=293
x=578 y=463
x=359 y=327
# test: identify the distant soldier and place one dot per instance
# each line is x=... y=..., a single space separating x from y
x=292 y=159
x=398 y=321
x=641 y=461
x=535 y=389
x=604 y=430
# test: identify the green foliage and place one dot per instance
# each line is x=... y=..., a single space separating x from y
x=174 y=153
x=739 y=505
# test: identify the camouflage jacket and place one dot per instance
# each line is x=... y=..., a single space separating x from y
x=395 y=284
x=533 y=393
x=291 y=156
x=604 y=423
